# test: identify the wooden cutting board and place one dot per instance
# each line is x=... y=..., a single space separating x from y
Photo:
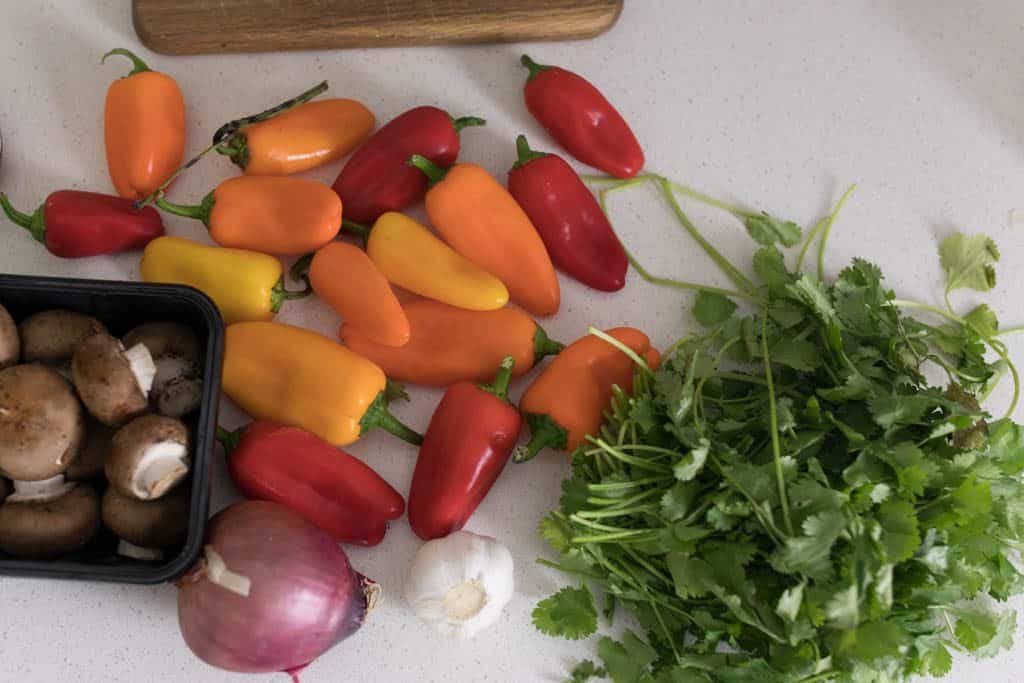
x=203 y=26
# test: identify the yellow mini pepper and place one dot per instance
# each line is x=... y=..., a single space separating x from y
x=245 y=285
x=299 y=378
x=412 y=257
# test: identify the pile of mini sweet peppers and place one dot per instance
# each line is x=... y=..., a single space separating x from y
x=422 y=306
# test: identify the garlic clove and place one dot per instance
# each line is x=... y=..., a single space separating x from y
x=461 y=583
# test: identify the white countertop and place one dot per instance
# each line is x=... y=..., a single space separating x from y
x=779 y=105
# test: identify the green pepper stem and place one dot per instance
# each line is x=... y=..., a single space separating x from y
x=525 y=154
x=199 y=211
x=544 y=433
x=138 y=65
x=280 y=293
x=236 y=148
x=434 y=173
x=543 y=345
x=229 y=440
x=499 y=387
x=300 y=269
x=357 y=229
x=394 y=391
x=378 y=417
x=34 y=223
x=466 y=121
x=533 y=66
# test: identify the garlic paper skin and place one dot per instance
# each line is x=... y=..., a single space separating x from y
x=460 y=584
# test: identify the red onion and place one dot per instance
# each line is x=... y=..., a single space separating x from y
x=272 y=592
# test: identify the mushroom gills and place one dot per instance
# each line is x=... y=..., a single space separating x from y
x=163 y=465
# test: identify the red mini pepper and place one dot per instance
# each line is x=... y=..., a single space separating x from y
x=470 y=438
x=74 y=224
x=579 y=117
x=378 y=178
x=570 y=221
x=326 y=485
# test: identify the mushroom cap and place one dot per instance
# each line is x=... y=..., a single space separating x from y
x=52 y=336
x=177 y=353
x=149 y=457
x=41 y=423
x=10 y=341
x=150 y=524
x=180 y=396
x=47 y=529
x=105 y=381
x=94 y=451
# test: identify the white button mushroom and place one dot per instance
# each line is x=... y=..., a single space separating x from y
x=112 y=382
x=43 y=523
x=41 y=423
x=10 y=341
x=460 y=584
x=149 y=457
x=146 y=528
x=176 y=351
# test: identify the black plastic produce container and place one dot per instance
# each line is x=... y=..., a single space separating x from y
x=121 y=306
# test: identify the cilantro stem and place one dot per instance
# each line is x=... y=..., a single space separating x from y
x=738 y=278
x=1009 y=330
x=710 y=201
x=827 y=230
x=605 y=447
x=773 y=417
x=618 y=512
x=621 y=536
x=618 y=485
x=811 y=236
x=823 y=676
x=657 y=279
x=633 y=356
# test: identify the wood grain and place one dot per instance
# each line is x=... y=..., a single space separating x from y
x=204 y=26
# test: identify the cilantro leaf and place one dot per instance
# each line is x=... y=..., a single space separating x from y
x=969 y=262
x=712 y=309
x=799 y=354
x=975 y=627
x=628 y=661
x=983 y=320
x=556 y=531
x=569 y=613
x=1006 y=446
x=768 y=230
x=900 y=533
x=584 y=671
x=691 y=464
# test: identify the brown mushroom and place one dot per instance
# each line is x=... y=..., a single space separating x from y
x=177 y=354
x=10 y=341
x=46 y=525
x=146 y=527
x=3 y=489
x=51 y=337
x=149 y=457
x=41 y=423
x=113 y=383
x=92 y=456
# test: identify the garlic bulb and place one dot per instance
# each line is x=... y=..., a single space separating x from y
x=459 y=584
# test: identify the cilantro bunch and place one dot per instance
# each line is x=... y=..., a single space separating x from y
x=788 y=498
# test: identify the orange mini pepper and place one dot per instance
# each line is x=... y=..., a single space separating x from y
x=143 y=128
x=568 y=399
x=449 y=344
x=270 y=214
x=347 y=279
x=479 y=219
x=310 y=135
x=299 y=378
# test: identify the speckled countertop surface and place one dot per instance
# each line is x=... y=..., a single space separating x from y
x=776 y=104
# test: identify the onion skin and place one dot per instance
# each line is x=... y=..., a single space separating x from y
x=304 y=598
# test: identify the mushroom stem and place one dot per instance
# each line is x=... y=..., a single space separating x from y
x=141 y=363
x=162 y=466
x=40 y=491
x=137 y=552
